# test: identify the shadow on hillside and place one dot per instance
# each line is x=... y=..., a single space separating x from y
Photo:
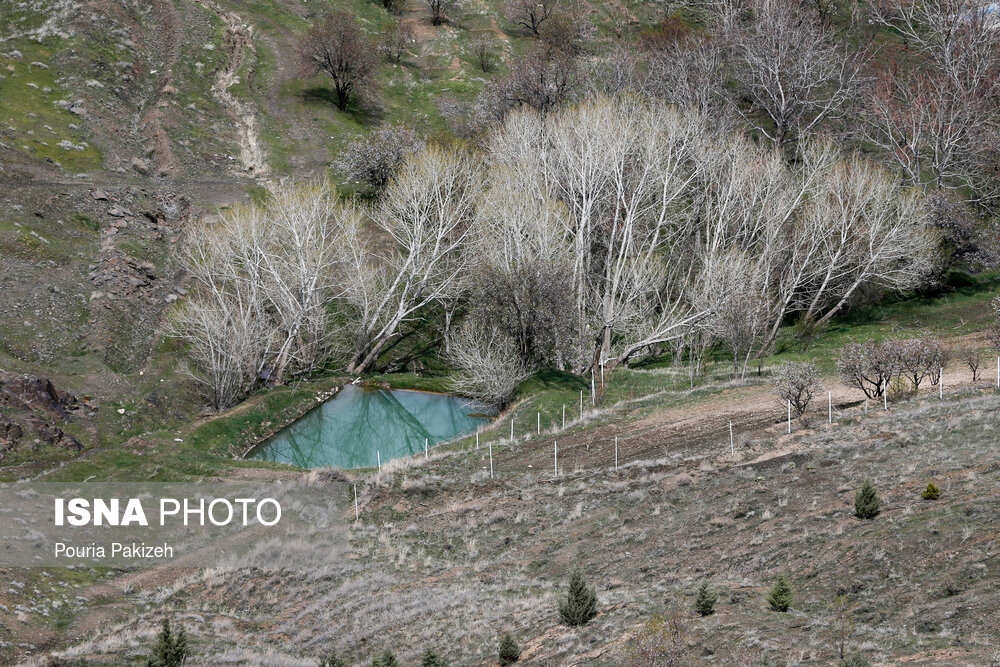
x=363 y=112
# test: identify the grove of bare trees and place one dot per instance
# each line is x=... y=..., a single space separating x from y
x=579 y=239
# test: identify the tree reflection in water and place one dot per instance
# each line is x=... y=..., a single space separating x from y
x=347 y=430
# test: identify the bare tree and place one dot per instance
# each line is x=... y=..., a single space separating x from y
x=263 y=282
x=790 y=68
x=973 y=358
x=490 y=368
x=920 y=358
x=483 y=48
x=688 y=72
x=376 y=158
x=339 y=46
x=529 y=14
x=442 y=9
x=395 y=39
x=424 y=217
x=868 y=366
x=544 y=79
x=795 y=384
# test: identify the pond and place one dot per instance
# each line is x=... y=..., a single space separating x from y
x=347 y=430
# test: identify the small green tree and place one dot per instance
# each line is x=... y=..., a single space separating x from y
x=704 y=602
x=508 y=650
x=781 y=595
x=867 y=501
x=333 y=660
x=386 y=659
x=170 y=649
x=580 y=604
x=932 y=492
x=432 y=659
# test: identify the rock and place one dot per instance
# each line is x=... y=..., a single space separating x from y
x=139 y=165
x=171 y=298
x=10 y=433
x=117 y=211
x=77 y=110
x=99 y=195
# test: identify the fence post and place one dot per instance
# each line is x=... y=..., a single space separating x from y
x=885 y=397
x=616 y=453
x=477 y=440
x=538 y=420
x=512 y=430
x=581 y=403
x=593 y=391
x=829 y=406
x=866 y=405
x=357 y=517
x=941 y=383
x=564 y=417
x=732 y=444
x=491 y=459
x=789 y=415
x=426 y=455
x=379 y=455
x=555 y=458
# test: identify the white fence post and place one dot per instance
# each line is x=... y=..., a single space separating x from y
x=581 y=403
x=941 y=383
x=732 y=444
x=512 y=430
x=491 y=459
x=477 y=440
x=616 y=453
x=538 y=420
x=564 y=416
x=593 y=390
x=829 y=406
x=379 y=455
x=789 y=415
x=866 y=405
x=357 y=517
x=426 y=454
x=885 y=398
x=555 y=458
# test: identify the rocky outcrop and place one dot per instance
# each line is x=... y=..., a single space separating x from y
x=33 y=404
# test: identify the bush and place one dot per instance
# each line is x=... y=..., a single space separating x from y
x=508 y=650
x=973 y=358
x=170 y=649
x=432 y=659
x=333 y=660
x=781 y=595
x=376 y=158
x=386 y=659
x=932 y=492
x=659 y=642
x=704 y=602
x=580 y=604
x=796 y=383
x=866 y=501
x=855 y=659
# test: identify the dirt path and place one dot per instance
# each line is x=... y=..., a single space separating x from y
x=171 y=38
x=239 y=47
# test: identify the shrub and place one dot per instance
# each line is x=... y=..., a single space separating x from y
x=781 y=595
x=704 y=602
x=796 y=383
x=333 y=660
x=659 y=642
x=375 y=159
x=580 y=604
x=386 y=659
x=867 y=501
x=508 y=650
x=855 y=659
x=170 y=649
x=432 y=659
x=932 y=492
x=869 y=366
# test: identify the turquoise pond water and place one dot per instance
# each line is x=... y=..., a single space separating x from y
x=348 y=430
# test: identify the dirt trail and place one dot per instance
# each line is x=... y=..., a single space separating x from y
x=239 y=47
x=171 y=38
